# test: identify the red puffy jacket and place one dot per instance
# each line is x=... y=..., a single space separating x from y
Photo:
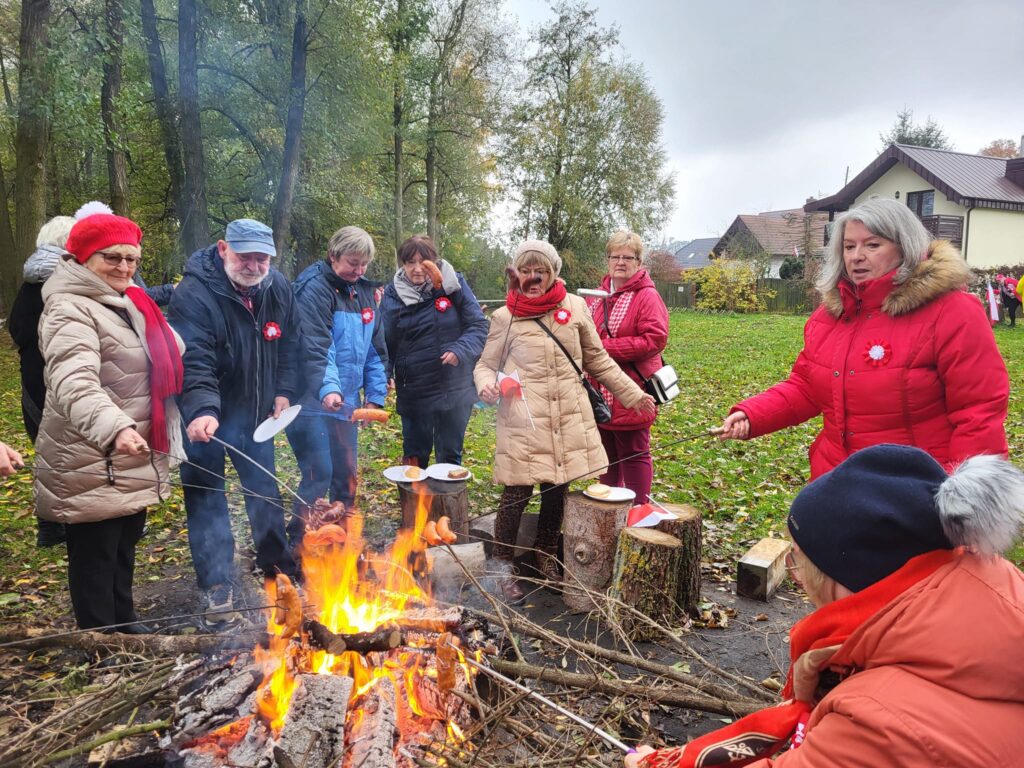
x=914 y=364
x=638 y=341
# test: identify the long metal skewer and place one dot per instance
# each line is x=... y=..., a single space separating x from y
x=548 y=702
x=263 y=469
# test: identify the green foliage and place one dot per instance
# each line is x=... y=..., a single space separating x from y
x=584 y=154
x=792 y=268
x=729 y=285
x=905 y=131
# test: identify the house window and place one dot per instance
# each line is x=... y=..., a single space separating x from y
x=922 y=203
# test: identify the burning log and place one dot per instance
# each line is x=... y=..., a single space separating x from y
x=314 y=729
x=373 y=731
x=222 y=699
x=591 y=532
x=383 y=639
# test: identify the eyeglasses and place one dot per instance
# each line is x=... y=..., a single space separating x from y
x=115 y=260
x=626 y=259
x=791 y=563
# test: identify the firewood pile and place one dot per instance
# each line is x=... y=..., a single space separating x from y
x=394 y=691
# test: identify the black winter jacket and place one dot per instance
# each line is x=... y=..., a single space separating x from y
x=236 y=360
x=417 y=335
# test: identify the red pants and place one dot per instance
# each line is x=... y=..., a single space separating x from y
x=629 y=456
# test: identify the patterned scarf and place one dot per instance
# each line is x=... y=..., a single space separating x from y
x=767 y=731
x=619 y=307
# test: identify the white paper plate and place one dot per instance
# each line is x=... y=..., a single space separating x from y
x=397 y=474
x=272 y=426
x=440 y=472
x=617 y=495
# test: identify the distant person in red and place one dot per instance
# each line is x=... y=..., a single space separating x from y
x=898 y=351
x=633 y=325
x=1009 y=297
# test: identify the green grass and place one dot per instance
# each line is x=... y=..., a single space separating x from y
x=743 y=489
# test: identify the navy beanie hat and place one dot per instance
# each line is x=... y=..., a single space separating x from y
x=867 y=517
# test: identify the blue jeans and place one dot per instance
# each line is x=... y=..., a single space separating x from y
x=326 y=450
x=209 y=524
x=441 y=431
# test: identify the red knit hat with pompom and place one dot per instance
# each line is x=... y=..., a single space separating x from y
x=99 y=231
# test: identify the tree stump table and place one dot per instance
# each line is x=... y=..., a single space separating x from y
x=648 y=567
x=590 y=533
x=446 y=498
x=687 y=527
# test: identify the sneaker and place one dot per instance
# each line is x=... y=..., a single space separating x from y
x=219 y=607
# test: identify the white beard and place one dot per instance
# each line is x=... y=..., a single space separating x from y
x=243 y=279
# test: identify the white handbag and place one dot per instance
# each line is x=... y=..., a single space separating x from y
x=663 y=385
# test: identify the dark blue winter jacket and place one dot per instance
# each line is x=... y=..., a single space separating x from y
x=417 y=335
x=343 y=345
x=236 y=360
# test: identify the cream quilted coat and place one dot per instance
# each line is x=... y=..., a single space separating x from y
x=97 y=381
x=562 y=442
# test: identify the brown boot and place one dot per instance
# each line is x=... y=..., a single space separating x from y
x=510 y=590
x=547 y=564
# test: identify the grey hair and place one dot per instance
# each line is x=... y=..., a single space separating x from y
x=55 y=231
x=886 y=218
x=351 y=240
x=981 y=505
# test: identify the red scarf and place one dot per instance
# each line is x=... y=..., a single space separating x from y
x=767 y=731
x=521 y=305
x=165 y=376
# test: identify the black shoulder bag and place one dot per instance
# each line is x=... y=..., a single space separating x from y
x=602 y=413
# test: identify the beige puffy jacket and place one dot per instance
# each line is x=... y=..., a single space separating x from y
x=562 y=442
x=97 y=381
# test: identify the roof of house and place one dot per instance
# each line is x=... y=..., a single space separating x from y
x=967 y=180
x=777 y=232
x=694 y=254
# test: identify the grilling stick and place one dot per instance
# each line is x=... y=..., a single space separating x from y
x=547 y=702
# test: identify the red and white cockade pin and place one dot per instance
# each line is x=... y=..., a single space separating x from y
x=563 y=316
x=271 y=331
x=442 y=303
x=878 y=353
x=367 y=315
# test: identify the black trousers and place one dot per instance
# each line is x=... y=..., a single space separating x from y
x=101 y=567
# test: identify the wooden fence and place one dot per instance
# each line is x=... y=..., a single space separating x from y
x=790 y=296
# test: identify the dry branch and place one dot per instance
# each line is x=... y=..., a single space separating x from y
x=666 y=696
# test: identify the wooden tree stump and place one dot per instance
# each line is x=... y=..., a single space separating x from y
x=446 y=498
x=591 y=531
x=648 y=565
x=687 y=528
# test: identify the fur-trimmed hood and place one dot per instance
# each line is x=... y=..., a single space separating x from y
x=944 y=270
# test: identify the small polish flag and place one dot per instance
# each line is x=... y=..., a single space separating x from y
x=647 y=516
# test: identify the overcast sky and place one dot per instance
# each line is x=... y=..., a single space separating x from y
x=768 y=102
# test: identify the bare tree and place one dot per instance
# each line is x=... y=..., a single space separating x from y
x=31 y=141
x=117 y=164
x=195 y=231
x=282 y=215
x=164 y=106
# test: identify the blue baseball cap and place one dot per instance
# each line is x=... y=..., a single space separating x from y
x=250 y=236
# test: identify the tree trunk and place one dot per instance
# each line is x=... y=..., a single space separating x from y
x=398 y=116
x=591 y=532
x=647 y=568
x=117 y=165
x=687 y=528
x=195 y=231
x=165 y=111
x=30 y=144
x=6 y=230
x=282 y=217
